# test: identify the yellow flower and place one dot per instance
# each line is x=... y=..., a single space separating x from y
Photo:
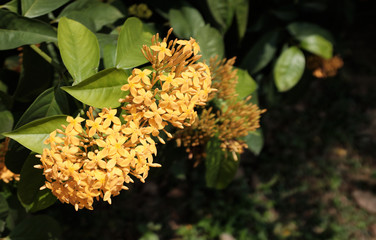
x=162 y=50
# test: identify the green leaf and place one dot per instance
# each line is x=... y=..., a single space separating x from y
x=91 y=11
x=11 y=6
x=35 y=8
x=28 y=187
x=45 y=105
x=33 y=81
x=107 y=43
x=185 y=21
x=33 y=134
x=220 y=165
x=246 y=85
x=4 y=207
x=16 y=31
x=16 y=156
x=6 y=122
x=222 y=11
x=210 y=42
x=255 y=141
x=79 y=49
x=261 y=53
x=241 y=14
x=131 y=39
x=289 y=68
x=317 y=45
x=36 y=227
x=301 y=30
x=101 y=90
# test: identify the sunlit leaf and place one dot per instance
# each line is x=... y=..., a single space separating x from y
x=220 y=165
x=131 y=39
x=289 y=68
x=35 y=8
x=261 y=53
x=246 y=85
x=186 y=21
x=317 y=45
x=101 y=90
x=31 y=180
x=211 y=43
x=301 y=30
x=33 y=134
x=16 y=31
x=79 y=49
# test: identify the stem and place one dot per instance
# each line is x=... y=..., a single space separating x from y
x=41 y=53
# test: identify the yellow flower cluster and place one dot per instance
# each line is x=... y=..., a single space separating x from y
x=234 y=119
x=323 y=68
x=94 y=161
x=5 y=174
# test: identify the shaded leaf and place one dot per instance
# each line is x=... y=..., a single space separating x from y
x=11 y=6
x=261 y=53
x=211 y=43
x=131 y=39
x=317 y=45
x=222 y=11
x=79 y=49
x=101 y=90
x=31 y=180
x=36 y=227
x=16 y=31
x=6 y=122
x=220 y=165
x=4 y=208
x=255 y=141
x=246 y=85
x=91 y=11
x=185 y=21
x=241 y=14
x=289 y=68
x=33 y=134
x=301 y=30
x=35 y=8
x=107 y=43
x=45 y=105
x=33 y=81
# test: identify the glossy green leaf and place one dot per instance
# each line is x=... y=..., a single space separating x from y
x=255 y=141
x=11 y=6
x=35 y=8
x=211 y=43
x=317 y=45
x=33 y=81
x=222 y=11
x=16 y=31
x=301 y=30
x=186 y=21
x=101 y=90
x=246 y=85
x=36 y=227
x=33 y=134
x=262 y=53
x=241 y=14
x=91 y=11
x=220 y=165
x=6 y=122
x=45 y=105
x=131 y=39
x=289 y=68
x=79 y=49
x=28 y=187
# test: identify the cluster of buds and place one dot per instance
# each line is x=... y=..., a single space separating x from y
x=231 y=121
x=95 y=161
x=5 y=174
x=323 y=68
